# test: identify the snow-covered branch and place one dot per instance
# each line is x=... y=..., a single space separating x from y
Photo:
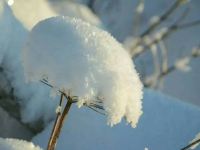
x=155 y=22
x=180 y=64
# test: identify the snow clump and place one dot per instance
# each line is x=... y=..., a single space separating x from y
x=87 y=61
x=15 y=144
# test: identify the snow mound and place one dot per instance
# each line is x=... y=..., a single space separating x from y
x=15 y=144
x=78 y=57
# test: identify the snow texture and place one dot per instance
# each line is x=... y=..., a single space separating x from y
x=78 y=57
x=167 y=124
x=15 y=144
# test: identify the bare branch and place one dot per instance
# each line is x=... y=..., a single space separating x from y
x=162 y=18
x=55 y=123
x=160 y=35
x=159 y=20
x=164 y=56
x=94 y=109
x=137 y=16
x=191 y=144
x=195 y=53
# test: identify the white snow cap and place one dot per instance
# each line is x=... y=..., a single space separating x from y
x=89 y=62
x=15 y=144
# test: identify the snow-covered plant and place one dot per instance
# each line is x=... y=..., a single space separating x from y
x=86 y=65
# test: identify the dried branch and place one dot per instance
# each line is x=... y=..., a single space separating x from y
x=59 y=124
x=195 y=53
x=159 y=20
x=137 y=16
x=164 y=55
x=160 y=35
x=94 y=109
x=55 y=124
x=191 y=144
x=162 y=18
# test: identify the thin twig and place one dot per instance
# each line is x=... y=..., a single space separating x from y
x=162 y=18
x=164 y=35
x=59 y=125
x=96 y=110
x=191 y=144
x=137 y=16
x=51 y=86
x=55 y=124
x=172 y=68
x=155 y=24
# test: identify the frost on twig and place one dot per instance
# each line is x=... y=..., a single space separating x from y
x=183 y=64
x=193 y=144
x=180 y=64
x=137 y=16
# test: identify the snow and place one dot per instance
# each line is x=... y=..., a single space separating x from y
x=10 y=127
x=15 y=144
x=32 y=11
x=78 y=57
x=73 y=9
x=118 y=17
x=183 y=64
x=167 y=124
x=37 y=10
x=140 y=7
x=5 y=23
x=32 y=97
x=10 y=2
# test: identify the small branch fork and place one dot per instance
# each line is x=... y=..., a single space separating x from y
x=95 y=105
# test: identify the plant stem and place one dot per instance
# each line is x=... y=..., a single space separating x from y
x=59 y=124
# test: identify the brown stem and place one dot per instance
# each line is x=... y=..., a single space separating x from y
x=58 y=125
x=55 y=123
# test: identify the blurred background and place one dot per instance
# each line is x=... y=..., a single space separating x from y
x=165 y=45
x=162 y=37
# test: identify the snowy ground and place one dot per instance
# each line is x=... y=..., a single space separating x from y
x=167 y=124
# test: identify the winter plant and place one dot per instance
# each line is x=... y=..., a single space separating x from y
x=85 y=65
